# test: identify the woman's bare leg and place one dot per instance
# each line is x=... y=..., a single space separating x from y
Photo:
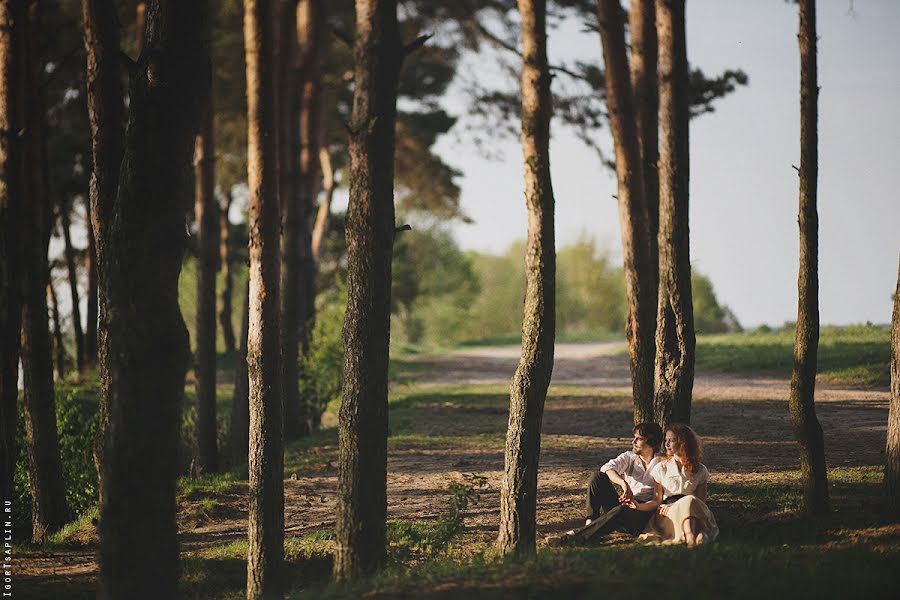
x=689 y=527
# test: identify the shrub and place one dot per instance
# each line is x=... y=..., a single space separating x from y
x=321 y=369
x=76 y=423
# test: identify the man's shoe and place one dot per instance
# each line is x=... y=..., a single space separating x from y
x=566 y=539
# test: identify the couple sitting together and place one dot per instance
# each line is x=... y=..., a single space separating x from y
x=663 y=495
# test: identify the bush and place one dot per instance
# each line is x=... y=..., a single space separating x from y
x=321 y=369
x=76 y=422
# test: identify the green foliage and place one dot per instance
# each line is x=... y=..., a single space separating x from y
x=76 y=422
x=443 y=296
x=187 y=299
x=709 y=315
x=590 y=288
x=408 y=539
x=321 y=369
x=433 y=284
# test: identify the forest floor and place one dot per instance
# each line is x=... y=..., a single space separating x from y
x=448 y=420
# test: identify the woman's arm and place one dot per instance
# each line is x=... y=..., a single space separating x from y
x=649 y=505
x=701 y=491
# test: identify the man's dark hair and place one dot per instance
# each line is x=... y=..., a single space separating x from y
x=652 y=433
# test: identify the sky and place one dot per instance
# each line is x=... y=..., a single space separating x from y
x=744 y=190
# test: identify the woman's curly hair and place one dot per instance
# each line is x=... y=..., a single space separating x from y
x=690 y=451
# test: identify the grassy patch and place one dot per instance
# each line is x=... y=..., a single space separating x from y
x=221 y=572
x=311 y=451
x=857 y=355
x=766 y=548
x=79 y=533
x=217 y=483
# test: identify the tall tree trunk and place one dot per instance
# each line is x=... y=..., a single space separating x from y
x=892 y=448
x=265 y=556
x=239 y=432
x=106 y=114
x=205 y=213
x=320 y=229
x=48 y=497
x=675 y=341
x=225 y=310
x=645 y=86
x=59 y=345
x=148 y=350
x=803 y=380
x=528 y=391
x=140 y=24
x=65 y=223
x=292 y=215
x=363 y=418
x=633 y=209
x=12 y=173
x=311 y=24
x=90 y=331
x=302 y=145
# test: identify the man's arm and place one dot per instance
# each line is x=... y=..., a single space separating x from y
x=626 y=495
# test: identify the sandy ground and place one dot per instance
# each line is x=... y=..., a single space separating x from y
x=743 y=420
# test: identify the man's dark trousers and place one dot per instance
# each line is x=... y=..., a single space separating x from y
x=615 y=517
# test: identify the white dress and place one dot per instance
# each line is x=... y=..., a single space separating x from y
x=666 y=526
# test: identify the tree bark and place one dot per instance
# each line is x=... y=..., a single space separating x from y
x=302 y=142
x=266 y=453
x=675 y=341
x=239 y=435
x=49 y=510
x=59 y=346
x=803 y=380
x=148 y=350
x=892 y=447
x=140 y=23
x=528 y=391
x=90 y=331
x=320 y=229
x=106 y=114
x=225 y=310
x=65 y=223
x=292 y=214
x=645 y=86
x=12 y=173
x=207 y=219
x=363 y=418
x=311 y=24
x=633 y=209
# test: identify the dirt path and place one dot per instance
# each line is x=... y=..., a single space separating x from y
x=742 y=419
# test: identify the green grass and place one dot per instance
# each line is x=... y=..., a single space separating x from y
x=217 y=483
x=856 y=355
x=766 y=549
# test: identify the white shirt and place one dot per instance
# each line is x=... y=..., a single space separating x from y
x=670 y=474
x=630 y=467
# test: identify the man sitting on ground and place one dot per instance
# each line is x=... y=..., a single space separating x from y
x=629 y=510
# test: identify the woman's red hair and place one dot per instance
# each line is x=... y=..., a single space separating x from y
x=689 y=452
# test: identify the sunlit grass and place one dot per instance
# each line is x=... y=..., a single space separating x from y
x=857 y=355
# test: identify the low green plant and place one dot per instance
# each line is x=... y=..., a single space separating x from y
x=76 y=423
x=321 y=368
x=419 y=539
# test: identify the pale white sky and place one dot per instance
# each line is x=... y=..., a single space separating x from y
x=743 y=189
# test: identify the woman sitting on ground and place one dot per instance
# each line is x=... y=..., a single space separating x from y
x=681 y=482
